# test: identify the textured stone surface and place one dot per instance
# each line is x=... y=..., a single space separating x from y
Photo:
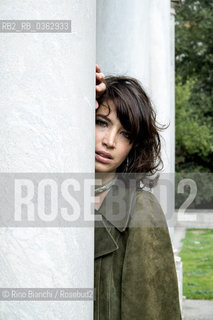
x=46 y=108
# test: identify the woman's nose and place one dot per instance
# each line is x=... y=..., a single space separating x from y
x=109 y=139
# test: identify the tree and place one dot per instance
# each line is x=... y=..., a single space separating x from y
x=194 y=97
x=194 y=42
x=194 y=85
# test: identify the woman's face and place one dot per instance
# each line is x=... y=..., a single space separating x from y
x=112 y=141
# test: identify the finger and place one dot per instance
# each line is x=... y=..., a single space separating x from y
x=100 y=89
x=98 y=68
x=99 y=77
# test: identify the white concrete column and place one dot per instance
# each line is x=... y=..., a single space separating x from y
x=162 y=84
x=47 y=89
x=160 y=73
x=172 y=112
x=178 y=262
x=123 y=38
x=172 y=84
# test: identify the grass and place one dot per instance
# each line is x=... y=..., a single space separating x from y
x=197 y=258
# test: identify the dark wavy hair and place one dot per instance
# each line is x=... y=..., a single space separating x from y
x=136 y=114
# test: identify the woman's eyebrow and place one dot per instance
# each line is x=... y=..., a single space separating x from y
x=104 y=117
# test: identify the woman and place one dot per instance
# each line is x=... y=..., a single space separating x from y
x=135 y=275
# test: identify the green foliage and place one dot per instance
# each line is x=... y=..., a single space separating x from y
x=194 y=86
x=194 y=135
x=194 y=42
x=197 y=258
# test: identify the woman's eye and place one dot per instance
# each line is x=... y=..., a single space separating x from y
x=101 y=123
x=126 y=135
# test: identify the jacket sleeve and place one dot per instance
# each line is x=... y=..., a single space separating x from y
x=149 y=282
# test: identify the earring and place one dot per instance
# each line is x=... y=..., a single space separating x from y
x=127 y=164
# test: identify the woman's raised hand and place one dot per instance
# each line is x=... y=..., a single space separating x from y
x=100 y=84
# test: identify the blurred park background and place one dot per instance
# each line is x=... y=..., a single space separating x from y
x=194 y=98
x=194 y=137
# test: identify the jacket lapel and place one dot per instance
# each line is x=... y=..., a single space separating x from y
x=114 y=212
x=104 y=241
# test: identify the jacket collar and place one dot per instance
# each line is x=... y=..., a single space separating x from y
x=116 y=210
x=105 y=243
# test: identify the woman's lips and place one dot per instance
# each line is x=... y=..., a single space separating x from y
x=101 y=158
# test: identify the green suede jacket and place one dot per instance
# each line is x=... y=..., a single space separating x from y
x=135 y=276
